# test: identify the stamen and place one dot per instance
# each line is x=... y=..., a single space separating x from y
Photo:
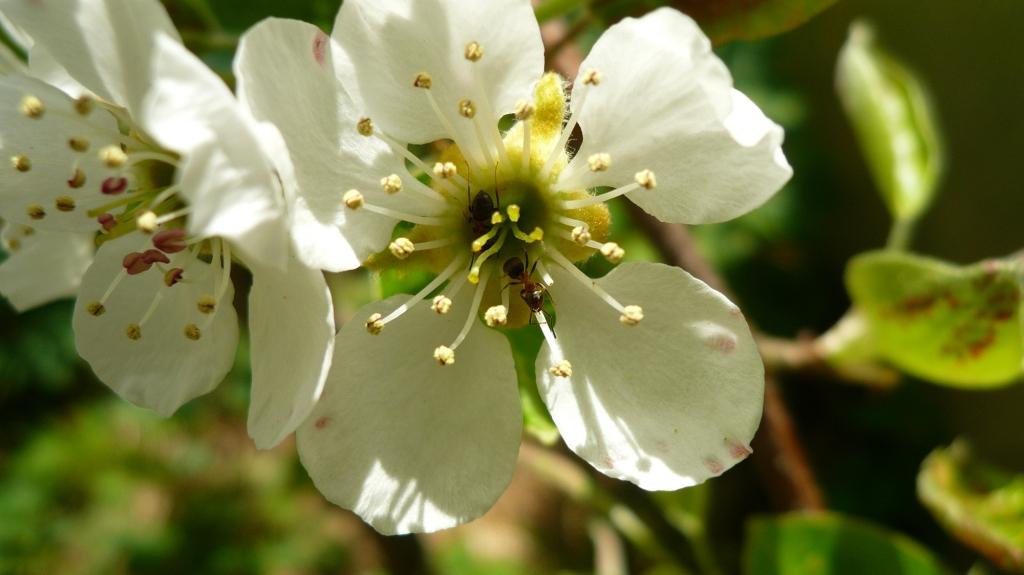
x=479 y=243
x=391 y=184
x=573 y=223
x=561 y=369
x=644 y=179
x=592 y=77
x=630 y=315
x=513 y=212
x=433 y=244
x=365 y=127
x=114 y=186
x=152 y=308
x=96 y=309
x=474 y=272
x=113 y=156
x=65 y=203
x=580 y=235
x=445 y=355
x=415 y=160
x=535 y=236
x=496 y=316
x=474 y=51
x=441 y=305
x=354 y=200
x=133 y=331
x=424 y=82
x=221 y=251
x=373 y=324
x=193 y=332
x=21 y=163
x=36 y=212
x=147 y=222
x=402 y=248
x=491 y=119
x=560 y=366
x=77 y=180
x=612 y=252
x=83 y=105
x=524 y=112
x=206 y=304
x=599 y=162
x=79 y=144
x=32 y=107
x=423 y=293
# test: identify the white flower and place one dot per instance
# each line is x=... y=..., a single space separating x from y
x=133 y=141
x=653 y=377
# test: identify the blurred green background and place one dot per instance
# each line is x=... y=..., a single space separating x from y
x=91 y=485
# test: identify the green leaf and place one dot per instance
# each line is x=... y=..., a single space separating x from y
x=981 y=505
x=831 y=544
x=891 y=114
x=952 y=325
x=726 y=20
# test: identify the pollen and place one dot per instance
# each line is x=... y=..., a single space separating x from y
x=192 y=332
x=423 y=80
x=353 y=199
x=524 y=110
x=474 y=51
x=36 y=212
x=444 y=355
x=65 y=203
x=77 y=180
x=206 y=304
x=365 y=127
x=83 y=105
x=632 y=315
x=441 y=305
x=599 y=162
x=646 y=179
x=613 y=252
x=133 y=331
x=445 y=170
x=496 y=316
x=592 y=77
x=96 y=309
x=78 y=144
x=32 y=107
x=561 y=369
x=392 y=184
x=374 y=325
x=21 y=163
x=580 y=235
x=147 y=222
x=113 y=156
x=467 y=109
x=402 y=248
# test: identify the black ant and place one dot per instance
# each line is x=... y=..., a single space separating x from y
x=481 y=207
x=533 y=292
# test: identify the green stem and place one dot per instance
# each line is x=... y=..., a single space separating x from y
x=901 y=234
x=556 y=8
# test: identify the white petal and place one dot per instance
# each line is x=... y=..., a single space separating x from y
x=407 y=444
x=44 y=141
x=44 y=267
x=291 y=325
x=286 y=76
x=163 y=369
x=106 y=45
x=391 y=41
x=666 y=104
x=225 y=174
x=664 y=404
x=43 y=66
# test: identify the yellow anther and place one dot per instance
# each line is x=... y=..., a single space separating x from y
x=613 y=252
x=496 y=316
x=96 y=309
x=365 y=127
x=79 y=144
x=474 y=51
x=632 y=315
x=374 y=325
x=561 y=369
x=580 y=235
x=525 y=110
x=513 y=212
x=77 y=180
x=537 y=234
x=402 y=248
x=21 y=163
x=423 y=80
x=392 y=184
x=113 y=156
x=32 y=107
x=467 y=109
x=83 y=105
x=473 y=276
x=206 y=304
x=353 y=199
x=192 y=332
x=599 y=162
x=133 y=331
x=441 y=305
x=36 y=212
x=445 y=170
x=444 y=355
x=147 y=222
x=646 y=179
x=591 y=77
x=65 y=203
x=497 y=218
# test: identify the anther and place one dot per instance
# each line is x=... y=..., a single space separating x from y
x=441 y=305
x=613 y=252
x=632 y=315
x=474 y=51
x=21 y=163
x=497 y=218
x=444 y=355
x=32 y=107
x=392 y=184
x=107 y=221
x=513 y=212
x=83 y=105
x=133 y=331
x=173 y=276
x=525 y=110
x=580 y=235
x=147 y=222
x=170 y=241
x=36 y=212
x=27 y=230
x=206 y=304
x=592 y=77
x=79 y=144
x=96 y=309
x=114 y=186
x=353 y=199
x=423 y=80
x=446 y=170
x=561 y=369
x=365 y=127
x=135 y=263
x=374 y=325
x=113 y=156
x=77 y=180
x=402 y=248
x=13 y=245
x=646 y=179
x=599 y=162
x=192 y=332
x=65 y=203
x=467 y=109
x=496 y=316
